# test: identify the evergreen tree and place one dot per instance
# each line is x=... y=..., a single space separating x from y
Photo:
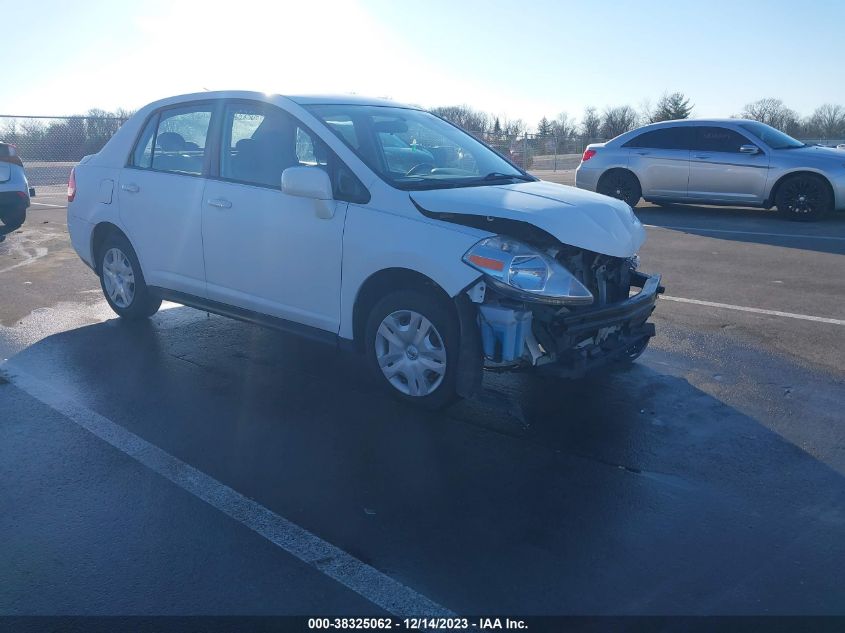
x=670 y=107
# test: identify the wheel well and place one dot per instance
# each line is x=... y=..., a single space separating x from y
x=773 y=195
x=380 y=284
x=101 y=232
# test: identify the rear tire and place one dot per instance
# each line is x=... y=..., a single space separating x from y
x=803 y=198
x=122 y=280
x=620 y=184
x=411 y=343
x=13 y=220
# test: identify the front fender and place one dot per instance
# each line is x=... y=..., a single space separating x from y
x=376 y=240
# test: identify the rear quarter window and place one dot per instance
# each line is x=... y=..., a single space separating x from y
x=664 y=138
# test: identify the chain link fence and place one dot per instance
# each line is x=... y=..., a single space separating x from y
x=539 y=152
x=50 y=146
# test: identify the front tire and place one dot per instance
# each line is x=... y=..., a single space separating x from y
x=412 y=347
x=634 y=352
x=122 y=280
x=620 y=184
x=803 y=198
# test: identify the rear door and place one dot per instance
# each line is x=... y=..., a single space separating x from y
x=719 y=172
x=160 y=192
x=660 y=159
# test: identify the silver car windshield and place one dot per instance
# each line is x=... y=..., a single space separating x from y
x=413 y=149
x=770 y=136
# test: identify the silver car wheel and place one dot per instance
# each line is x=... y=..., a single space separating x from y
x=410 y=353
x=118 y=278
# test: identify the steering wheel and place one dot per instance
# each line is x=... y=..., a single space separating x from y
x=413 y=171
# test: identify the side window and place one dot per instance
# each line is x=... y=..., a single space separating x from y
x=664 y=138
x=718 y=139
x=345 y=128
x=179 y=142
x=260 y=142
x=143 y=155
x=307 y=148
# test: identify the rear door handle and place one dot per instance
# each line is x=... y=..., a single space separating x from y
x=131 y=187
x=643 y=153
x=220 y=203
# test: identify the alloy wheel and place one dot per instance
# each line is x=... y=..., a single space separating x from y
x=802 y=196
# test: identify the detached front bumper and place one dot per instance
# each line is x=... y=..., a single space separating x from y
x=585 y=340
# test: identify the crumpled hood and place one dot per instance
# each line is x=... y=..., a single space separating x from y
x=576 y=217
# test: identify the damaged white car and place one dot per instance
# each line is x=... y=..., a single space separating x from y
x=436 y=262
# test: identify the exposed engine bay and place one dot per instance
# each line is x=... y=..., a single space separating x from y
x=517 y=333
x=567 y=339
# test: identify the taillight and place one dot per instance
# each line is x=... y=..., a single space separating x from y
x=588 y=154
x=71 y=185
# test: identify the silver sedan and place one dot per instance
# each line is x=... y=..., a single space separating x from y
x=717 y=161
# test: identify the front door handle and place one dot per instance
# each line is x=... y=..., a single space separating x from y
x=131 y=187
x=701 y=156
x=220 y=203
x=643 y=153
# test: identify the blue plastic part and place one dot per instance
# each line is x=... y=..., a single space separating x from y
x=503 y=332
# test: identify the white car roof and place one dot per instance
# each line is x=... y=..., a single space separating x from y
x=298 y=99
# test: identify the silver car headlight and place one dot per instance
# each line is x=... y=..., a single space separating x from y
x=524 y=272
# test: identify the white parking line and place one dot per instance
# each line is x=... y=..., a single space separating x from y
x=55 y=206
x=366 y=581
x=728 y=306
x=794 y=235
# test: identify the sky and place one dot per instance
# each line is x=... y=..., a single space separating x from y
x=513 y=59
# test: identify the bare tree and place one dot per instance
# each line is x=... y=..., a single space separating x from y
x=772 y=112
x=646 y=110
x=591 y=124
x=512 y=128
x=618 y=120
x=828 y=121
x=564 y=127
x=464 y=116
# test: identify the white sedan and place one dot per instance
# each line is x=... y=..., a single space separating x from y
x=293 y=212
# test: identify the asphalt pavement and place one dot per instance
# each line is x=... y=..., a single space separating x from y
x=198 y=465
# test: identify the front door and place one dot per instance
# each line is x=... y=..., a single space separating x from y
x=719 y=172
x=265 y=250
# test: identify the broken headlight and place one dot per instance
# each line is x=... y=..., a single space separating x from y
x=519 y=270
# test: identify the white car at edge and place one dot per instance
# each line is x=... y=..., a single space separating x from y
x=288 y=212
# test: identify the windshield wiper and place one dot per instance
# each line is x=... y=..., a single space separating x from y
x=498 y=175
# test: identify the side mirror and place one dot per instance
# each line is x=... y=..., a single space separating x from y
x=310 y=182
x=749 y=149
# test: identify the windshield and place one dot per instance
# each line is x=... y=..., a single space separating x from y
x=770 y=136
x=413 y=149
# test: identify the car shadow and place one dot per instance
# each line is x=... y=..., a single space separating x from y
x=749 y=225
x=629 y=492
